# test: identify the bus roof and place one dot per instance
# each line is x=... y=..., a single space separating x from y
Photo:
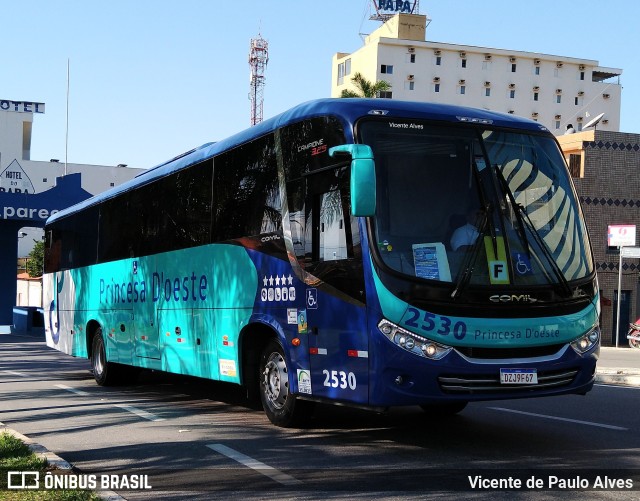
x=347 y=110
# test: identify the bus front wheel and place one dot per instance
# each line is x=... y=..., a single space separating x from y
x=280 y=405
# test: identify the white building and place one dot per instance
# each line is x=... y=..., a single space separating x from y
x=20 y=174
x=553 y=90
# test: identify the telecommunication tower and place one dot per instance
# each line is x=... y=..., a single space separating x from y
x=258 y=59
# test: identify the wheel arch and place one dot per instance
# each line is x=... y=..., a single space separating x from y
x=91 y=329
x=252 y=340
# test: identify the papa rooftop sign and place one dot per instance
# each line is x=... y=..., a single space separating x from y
x=396 y=6
x=21 y=106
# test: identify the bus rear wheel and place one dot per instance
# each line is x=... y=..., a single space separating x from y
x=104 y=372
x=279 y=404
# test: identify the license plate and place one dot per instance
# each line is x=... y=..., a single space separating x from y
x=518 y=376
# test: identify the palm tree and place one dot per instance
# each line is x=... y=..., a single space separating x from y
x=365 y=87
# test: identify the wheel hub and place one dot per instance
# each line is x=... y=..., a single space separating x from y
x=275 y=382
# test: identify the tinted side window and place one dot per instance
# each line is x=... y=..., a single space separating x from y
x=246 y=195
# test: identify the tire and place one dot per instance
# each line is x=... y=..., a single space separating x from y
x=281 y=407
x=634 y=343
x=104 y=372
x=443 y=410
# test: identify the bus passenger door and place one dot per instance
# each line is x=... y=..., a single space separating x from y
x=334 y=302
x=146 y=291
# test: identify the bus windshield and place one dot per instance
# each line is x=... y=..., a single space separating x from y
x=468 y=203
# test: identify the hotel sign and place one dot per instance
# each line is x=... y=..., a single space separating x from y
x=21 y=106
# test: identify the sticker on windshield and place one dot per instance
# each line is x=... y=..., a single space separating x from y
x=521 y=264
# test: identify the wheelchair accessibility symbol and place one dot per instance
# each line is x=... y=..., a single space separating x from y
x=312 y=299
x=522 y=264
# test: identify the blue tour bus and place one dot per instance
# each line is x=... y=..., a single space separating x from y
x=372 y=253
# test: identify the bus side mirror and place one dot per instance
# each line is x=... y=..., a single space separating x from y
x=363 y=177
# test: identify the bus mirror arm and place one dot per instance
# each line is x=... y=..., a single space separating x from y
x=363 y=177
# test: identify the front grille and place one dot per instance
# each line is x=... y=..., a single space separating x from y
x=502 y=353
x=481 y=384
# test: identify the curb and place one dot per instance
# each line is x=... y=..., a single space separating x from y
x=54 y=460
x=623 y=377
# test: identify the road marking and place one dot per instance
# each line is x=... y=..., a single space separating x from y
x=254 y=464
x=126 y=407
x=588 y=423
x=139 y=412
x=14 y=373
x=624 y=387
x=72 y=390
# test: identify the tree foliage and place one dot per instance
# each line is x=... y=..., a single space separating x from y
x=365 y=88
x=35 y=263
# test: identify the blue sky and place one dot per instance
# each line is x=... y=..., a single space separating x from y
x=153 y=78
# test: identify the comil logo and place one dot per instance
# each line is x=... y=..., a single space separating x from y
x=19 y=480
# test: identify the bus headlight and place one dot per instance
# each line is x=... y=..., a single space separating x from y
x=413 y=343
x=587 y=341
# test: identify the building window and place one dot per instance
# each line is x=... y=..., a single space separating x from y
x=386 y=68
x=342 y=71
x=574 y=164
x=44 y=179
x=582 y=75
x=112 y=184
x=487 y=91
x=409 y=85
x=412 y=58
x=486 y=65
x=556 y=72
x=557 y=124
x=558 y=99
x=536 y=70
x=463 y=62
x=347 y=67
x=438 y=60
x=576 y=100
x=463 y=89
x=436 y=87
x=512 y=94
x=535 y=96
x=386 y=94
x=513 y=67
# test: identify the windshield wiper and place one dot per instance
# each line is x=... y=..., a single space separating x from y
x=471 y=255
x=524 y=223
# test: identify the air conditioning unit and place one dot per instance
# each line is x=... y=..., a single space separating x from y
x=558 y=91
x=536 y=89
x=487 y=57
x=582 y=67
x=512 y=86
x=463 y=55
x=487 y=84
x=579 y=119
x=558 y=117
x=461 y=82
x=411 y=50
x=512 y=59
x=410 y=78
x=559 y=64
x=436 y=79
x=437 y=52
x=511 y=112
x=606 y=96
x=605 y=121
x=536 y=62
x=580 y=93
x=534 y=114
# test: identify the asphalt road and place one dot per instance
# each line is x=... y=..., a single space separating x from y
x=192 y=435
